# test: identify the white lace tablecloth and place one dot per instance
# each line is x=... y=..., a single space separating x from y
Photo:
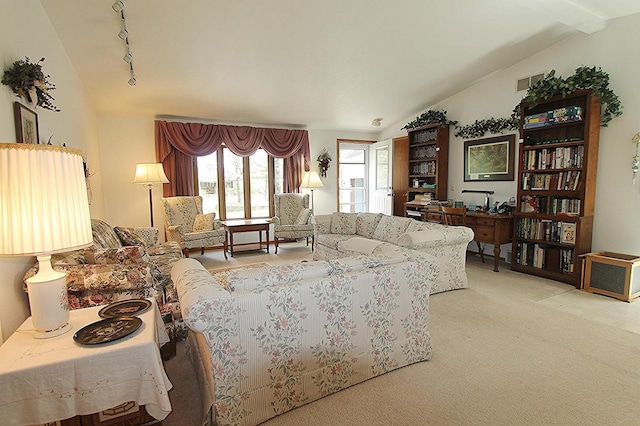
x=53 y=379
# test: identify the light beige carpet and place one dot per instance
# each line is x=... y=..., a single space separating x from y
x=497 y=361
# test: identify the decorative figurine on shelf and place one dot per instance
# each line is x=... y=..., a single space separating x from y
x=324 y=160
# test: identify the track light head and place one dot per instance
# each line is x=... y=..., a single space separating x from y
x=123 y=34
x=127 y=57
x=132 y=80
x=118 y=6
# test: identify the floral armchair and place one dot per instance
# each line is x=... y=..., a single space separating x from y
x=292 y=218
x=186 y=224
x=122 y=263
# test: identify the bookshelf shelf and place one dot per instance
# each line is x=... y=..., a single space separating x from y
x=556 y=186
x=428 y=161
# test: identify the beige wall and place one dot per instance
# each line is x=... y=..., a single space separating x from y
x=617 y=200
x=25 y=30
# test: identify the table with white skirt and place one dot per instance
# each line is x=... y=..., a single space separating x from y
x=44 y=380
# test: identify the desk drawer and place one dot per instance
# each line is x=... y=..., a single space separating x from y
x=484 y=234
x=483 y=221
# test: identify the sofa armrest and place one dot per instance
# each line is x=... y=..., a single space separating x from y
x=175 y=233
x=436 y=237
x=275 y=220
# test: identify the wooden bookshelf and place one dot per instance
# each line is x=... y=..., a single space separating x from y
x=556 y=186
x=428 y=161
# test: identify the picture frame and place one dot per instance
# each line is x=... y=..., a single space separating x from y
x=489 y=159
x=26 y=124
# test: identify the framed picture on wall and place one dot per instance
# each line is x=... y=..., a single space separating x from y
x=489 y=158
x=26 y=124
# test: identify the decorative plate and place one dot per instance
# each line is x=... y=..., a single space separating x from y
x=107 y=330
x=124 y=308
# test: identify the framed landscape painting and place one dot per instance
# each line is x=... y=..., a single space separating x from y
x=26 y=124
x=489 y=159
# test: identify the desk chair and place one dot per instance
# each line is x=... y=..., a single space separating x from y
x=458 y=217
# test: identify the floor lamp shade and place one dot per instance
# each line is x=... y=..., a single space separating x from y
x=44 y=210
x=150 y=174
x=311 y=180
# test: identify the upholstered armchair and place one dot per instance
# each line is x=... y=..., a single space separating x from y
x=123 y=263
x=186 y=224
x=292 y=218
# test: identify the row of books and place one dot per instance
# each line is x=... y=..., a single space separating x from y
x=561 y=181
x=549 y=205
x=559 y=115
x=425 y=136
x=554 y=259
x=426 y=168
x=546 y=230
x=554 y=158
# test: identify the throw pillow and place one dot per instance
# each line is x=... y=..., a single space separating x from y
x=343 y=223
x=204 y=222
x=303 y=217
x=128 y=237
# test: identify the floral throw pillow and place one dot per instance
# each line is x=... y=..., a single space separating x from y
x=128 y=237
x=343 y=223
x=204 y=222
x=303 y=217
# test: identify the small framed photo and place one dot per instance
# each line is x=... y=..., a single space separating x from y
x=568 y=233
x=26 y=124
x=489 y=159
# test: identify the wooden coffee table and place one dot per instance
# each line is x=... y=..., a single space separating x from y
x=246 y=225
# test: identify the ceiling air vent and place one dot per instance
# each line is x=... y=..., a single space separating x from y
x=525 y=83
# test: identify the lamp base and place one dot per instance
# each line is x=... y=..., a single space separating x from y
x=41 y=334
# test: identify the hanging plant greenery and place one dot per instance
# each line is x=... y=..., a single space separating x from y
x=28 y=81
x=430 y=117
x=584 y=78
x=490 y=125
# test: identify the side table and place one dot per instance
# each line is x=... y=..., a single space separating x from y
x=246 y=225
x=45 y=380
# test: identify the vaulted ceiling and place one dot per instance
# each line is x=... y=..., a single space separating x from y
x=330 y=64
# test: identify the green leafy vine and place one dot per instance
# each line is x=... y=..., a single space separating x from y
x=430 y=117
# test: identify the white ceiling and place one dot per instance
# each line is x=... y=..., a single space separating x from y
x=318 y=64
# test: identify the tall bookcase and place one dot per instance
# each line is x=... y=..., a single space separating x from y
x=556 y=186
x=428 y=161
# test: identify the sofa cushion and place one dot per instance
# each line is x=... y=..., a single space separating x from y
x=123 y=255
x=103 y=235
x=391 y=227
x=331 y=240
x=343 y=223
x=128 y=237
x=359 y=244
x=249 y=279
x=366 y=223
x=203 y=222
x=303 y=217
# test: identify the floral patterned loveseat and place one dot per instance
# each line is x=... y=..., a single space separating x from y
x=123 y=263
x=266 y=340
x=345 y=234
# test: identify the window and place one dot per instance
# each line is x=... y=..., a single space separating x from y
x=353 y=177
x=248 y=183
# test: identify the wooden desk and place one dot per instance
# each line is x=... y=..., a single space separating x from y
x=493 y=229
x=248 y=225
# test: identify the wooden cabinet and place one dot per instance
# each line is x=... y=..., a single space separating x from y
x=556 y=186
x=428 y=161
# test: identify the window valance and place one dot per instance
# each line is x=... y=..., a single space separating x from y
x=177 y=143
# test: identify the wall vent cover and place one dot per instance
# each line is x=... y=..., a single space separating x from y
x=525 y=83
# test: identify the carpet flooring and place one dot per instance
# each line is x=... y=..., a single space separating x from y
x=503 y=355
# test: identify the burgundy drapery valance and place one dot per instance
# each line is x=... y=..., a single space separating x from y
x=177 y=143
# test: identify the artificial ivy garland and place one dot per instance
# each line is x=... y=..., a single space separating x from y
x=584 y=78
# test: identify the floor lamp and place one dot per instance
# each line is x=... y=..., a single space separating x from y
x=150 y=174
x=311 y=180
x=45 y=210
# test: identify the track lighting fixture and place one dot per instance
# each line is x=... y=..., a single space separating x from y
x=118 y=7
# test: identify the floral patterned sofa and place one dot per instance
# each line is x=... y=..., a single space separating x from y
x=345 y=234
x=123 y=263
x=267 y=340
